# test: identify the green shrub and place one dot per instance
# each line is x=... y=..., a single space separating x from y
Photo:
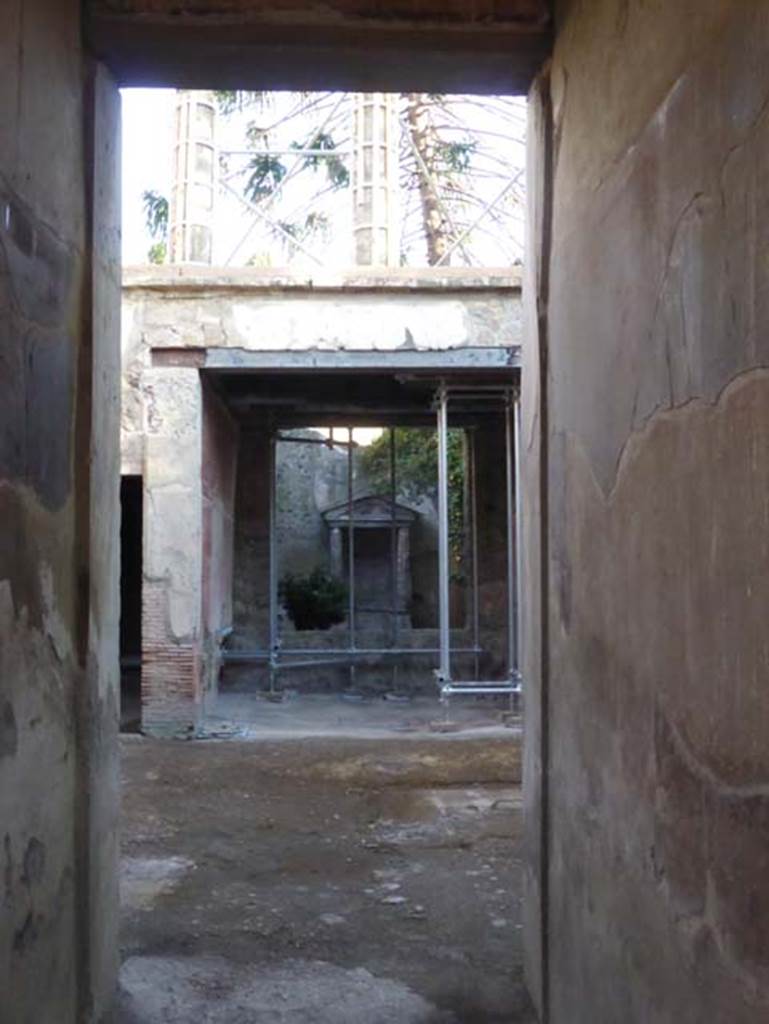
x=316 y=601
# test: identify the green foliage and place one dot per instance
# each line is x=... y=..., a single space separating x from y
x=229 y=101
x=316 y=601
x=157 y=253
x=155 y=213
x=267 y=173
x=313 y=223
x=456 y=156
x=416 y=469
x=336 y=171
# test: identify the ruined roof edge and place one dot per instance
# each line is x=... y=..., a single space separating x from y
x=185 y=277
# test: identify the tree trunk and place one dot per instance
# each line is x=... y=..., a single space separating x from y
x=425 y=140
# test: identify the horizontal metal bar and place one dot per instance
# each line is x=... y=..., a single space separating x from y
x=325 y=441
x=341 y=659
x=236 y=656
x=254 y=419
x=361 y=652
x=286 y=152
x=452 y=689
x=465 y=683
x=445 y=361
x=469 y=389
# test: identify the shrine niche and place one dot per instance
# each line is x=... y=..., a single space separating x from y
x=381 y=546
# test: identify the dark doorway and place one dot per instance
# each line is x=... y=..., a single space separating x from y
x=130 y=602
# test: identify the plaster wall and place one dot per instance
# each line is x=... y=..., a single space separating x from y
x=59 y=371
x=220 y=451
x=252 y=544
x=646 y=428
x=177 y=307
x=172 y=622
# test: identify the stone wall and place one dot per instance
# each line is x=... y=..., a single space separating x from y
x=172 y=626
x=647 y=409
x=492 y=546
x=235 y=309
x=310 y=479
x=59 y=374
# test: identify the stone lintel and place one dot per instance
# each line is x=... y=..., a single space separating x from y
x=174 y=279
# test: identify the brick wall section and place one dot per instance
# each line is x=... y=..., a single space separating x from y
x=171 y=671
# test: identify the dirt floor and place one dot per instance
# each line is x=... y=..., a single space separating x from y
x=323 y=878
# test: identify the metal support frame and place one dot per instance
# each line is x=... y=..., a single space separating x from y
x=444 y=606
x=512 y=630
x=351 y=551
x=518 y=544
x=394 y=590
x=512 y=685
x=293 y=170
x=274 y=641
x=486 y=210
x=359 y=652
x=352 y=654
x=476 y=604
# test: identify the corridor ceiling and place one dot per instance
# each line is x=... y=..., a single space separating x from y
x=486 y=46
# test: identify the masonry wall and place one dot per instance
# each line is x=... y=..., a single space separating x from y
x=172 y=602
x=252 y=544
x=310 y=479
x=220 y=452
x=232 y=309
x=491 y=488
x=59 y=373
x=647 y=409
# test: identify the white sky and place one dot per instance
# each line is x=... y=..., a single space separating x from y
x=147 y=151
x=147 y=165
x=147 y=128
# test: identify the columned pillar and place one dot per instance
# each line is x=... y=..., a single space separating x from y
x=403 y=576
x=173 y=546
x=337 y=560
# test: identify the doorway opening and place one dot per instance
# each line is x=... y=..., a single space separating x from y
x=330 y=603
x=131 y=539
x=370 y=567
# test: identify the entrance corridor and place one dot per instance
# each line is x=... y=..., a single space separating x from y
x=324 y=877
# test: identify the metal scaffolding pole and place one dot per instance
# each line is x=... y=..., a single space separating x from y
x=510 y=497
x=273 y=557
x=476 y=610
x=394 y=594
x=512 y=684
x=444 y=669
x=393 y=543
x=350 y=551
x=518 y=543
x=359 y=652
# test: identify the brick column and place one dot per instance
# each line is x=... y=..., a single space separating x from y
x=173 y=541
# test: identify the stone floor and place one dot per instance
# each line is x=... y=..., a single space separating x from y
x=254 y=716
x=321 y=875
